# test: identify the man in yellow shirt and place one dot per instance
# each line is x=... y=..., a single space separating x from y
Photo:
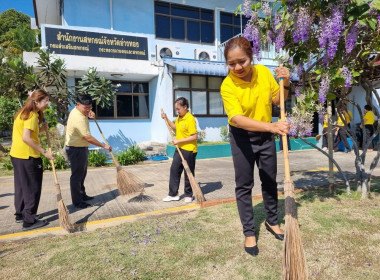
x=78 y=138
x=342 y=130
x=369 y=119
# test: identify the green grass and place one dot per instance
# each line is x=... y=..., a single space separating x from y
x=340 y=235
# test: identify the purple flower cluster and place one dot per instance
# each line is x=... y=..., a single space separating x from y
x=346 y=73
x=352 y=37
x=298 y=91
x=280 y=39
x=378 y=22
x=331 y=29
x=302 y=26
x=247 y=8
x=324 y=88
x=270 y=37
x=266 y=9
x=252 y=33
x=299 y=127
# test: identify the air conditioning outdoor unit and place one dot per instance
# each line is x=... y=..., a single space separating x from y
x=167 y=51
x=201 y=54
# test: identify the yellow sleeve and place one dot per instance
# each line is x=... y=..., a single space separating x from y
x=32 y=122
x=231 y=102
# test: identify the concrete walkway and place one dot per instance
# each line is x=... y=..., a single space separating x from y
x=215 y=176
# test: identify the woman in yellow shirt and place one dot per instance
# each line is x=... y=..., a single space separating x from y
x=25 y=156
x=369 y=119
x=186 y=139
x=248 y=93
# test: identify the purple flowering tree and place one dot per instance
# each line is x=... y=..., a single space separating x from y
x=332 y=45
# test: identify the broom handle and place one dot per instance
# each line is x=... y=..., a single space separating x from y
x=50 y=151
x=105 y=141
x=284 y=137
x=171 y=134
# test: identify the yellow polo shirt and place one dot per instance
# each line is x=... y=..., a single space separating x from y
x=185 y=127
x=19 y=148
x=369 y=118
x=347 y=117
x=77 y=128
x=326 y=121
x=250 y=99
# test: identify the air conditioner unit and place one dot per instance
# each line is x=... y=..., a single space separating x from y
x=167 y=51
x=201 y=54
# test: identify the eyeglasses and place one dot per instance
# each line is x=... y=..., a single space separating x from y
x=86 y=107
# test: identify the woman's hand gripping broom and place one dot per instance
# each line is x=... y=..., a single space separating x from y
x=127 y=183
x=63 y=213
x=199 y=198
x=293 y=262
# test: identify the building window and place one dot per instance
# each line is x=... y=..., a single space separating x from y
x=184 y=23
x=203 y=93
x=131 y=101
x=231 y=25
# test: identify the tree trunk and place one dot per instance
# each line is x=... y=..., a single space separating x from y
x=330 y=143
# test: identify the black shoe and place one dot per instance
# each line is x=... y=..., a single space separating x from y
x=36 y=224
x=20 y=219
x=253 y=251
x=278 y=236
x=87 y=197
x=82 y=205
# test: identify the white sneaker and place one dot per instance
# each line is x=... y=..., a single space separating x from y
x=171 y=198
x=188 y=199
x=324 y=149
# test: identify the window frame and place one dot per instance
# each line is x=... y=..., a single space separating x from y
x=232 y=24
x=115 y=117
x=191 y=89
x=185 y=19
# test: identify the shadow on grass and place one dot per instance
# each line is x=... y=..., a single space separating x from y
x=6 y=194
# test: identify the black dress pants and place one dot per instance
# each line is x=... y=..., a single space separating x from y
x=368 y=130
x=248 y=149
x=28 y=175
x=342 y=136
x=78 y=157
x=176 y=170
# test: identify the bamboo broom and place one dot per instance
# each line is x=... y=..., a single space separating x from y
x=63 y=213
x=127 y=183
x=293 y=262
x=198 y=194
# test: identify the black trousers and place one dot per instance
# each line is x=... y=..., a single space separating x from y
x=248 y=149
x=78 y=157
x=28 y=175
x=342 y=136
x=176 y=170
x=368 y=130
x=324 y=137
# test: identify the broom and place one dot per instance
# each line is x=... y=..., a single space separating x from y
x=127 y=183
x=293 y=263
x=198 y=194
x=63 y=213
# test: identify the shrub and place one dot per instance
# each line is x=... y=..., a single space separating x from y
x=201 y=136
x=8 y=107
x=59 y=162
x=96 y=158
x=224 y=133
x=7 y=164
x=132 y=155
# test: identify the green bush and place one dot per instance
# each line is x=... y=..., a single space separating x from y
x=132 y=155
x=7 y=164
x=224 y=133
x=59 y=162
x=8 y=107
x=96 y=158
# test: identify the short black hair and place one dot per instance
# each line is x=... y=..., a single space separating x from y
x=84 y=99
x=368 y=107
x=182 y=101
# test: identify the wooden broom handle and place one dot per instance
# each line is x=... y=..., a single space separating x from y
x=171 y=134
x=50 y=151
x=105 y=141
x=284 y=137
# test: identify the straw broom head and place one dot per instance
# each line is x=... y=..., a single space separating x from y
x=197 y=192
x=63 y=213
x=293 y=263
x=128 y=183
